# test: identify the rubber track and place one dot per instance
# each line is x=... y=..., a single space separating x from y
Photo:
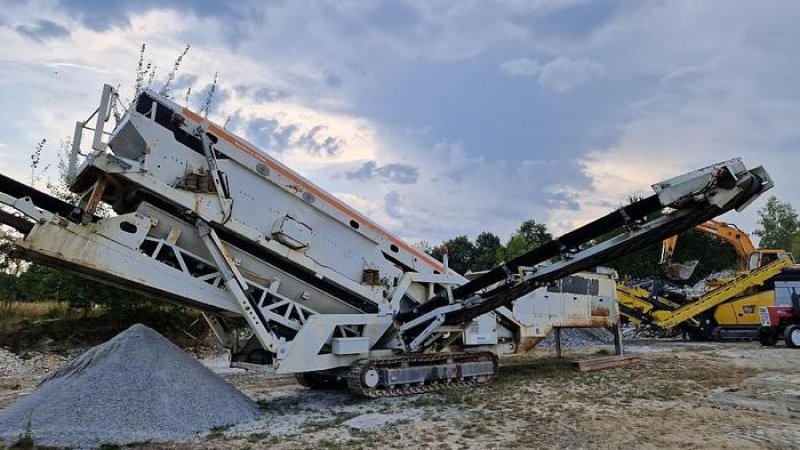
x=355 y=385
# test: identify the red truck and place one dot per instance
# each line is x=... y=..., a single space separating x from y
x=782 y=321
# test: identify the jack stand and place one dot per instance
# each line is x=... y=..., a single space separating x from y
x=617 y=330
x=557 y=336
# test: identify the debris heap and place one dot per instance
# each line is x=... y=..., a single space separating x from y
x=580 y=337
x=136 y=387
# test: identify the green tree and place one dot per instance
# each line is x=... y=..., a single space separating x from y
x=10 y=268
x=460 y=253
x=796 y=245
x=714 y=254
x=639 y=264
x=535 y=234
x=778 y=225
x=528 y=236
x=487 y=250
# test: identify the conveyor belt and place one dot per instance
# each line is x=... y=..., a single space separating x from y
x=40 y=199
x=574 y=259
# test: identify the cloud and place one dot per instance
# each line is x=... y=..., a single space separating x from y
x=563 y=200
x=560 y=74
x=272 y=135
x=100 y=16
x=332 y=80
x=269 y=134
x=316 y=143
x=393 y=173
x=563 y=74
x=43 y=30
x=183 y=81
x=394 y=207
x=268 y=94
x=521 y=67
x=580 y=20
x=459 y=91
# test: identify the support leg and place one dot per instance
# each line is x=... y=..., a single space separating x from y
x=617 y=330
x=557 y=336
x=237 y=286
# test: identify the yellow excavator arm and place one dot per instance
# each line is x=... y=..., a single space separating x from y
x=730 y=233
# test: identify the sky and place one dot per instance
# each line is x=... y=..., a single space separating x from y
x=436 y=118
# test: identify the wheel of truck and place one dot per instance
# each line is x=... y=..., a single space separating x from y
x=767 y=336
x=792 y=336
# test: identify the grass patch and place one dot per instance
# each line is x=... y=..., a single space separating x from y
x=263 y=438
x=281 y=406
x=53 y=326
x=108 y=446
x=218 y=431
x=35 y=309
x=337 y=419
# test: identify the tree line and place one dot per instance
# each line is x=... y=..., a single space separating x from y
x=779 y=228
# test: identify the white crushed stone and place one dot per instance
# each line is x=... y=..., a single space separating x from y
x=136 y=387
x=580 y=337
x=11 y=366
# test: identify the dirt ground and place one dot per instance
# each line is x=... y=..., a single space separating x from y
x=679 y=395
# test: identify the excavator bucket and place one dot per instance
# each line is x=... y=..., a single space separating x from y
x=680 y=271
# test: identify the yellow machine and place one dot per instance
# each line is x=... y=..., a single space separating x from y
x=731 y=309
x=750 y=258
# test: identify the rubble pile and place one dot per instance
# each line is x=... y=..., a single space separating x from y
x=580 y=337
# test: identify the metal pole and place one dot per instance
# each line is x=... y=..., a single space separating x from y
x=617 y=330
x=558 y=341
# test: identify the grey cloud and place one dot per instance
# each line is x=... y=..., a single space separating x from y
x=521 y=67
x=267 y=94
x=200 y=96
x=42 y=30
x=572 y=21
x=563 y=74
x=560 y=74
x=604 y=204
x=233 y=122
x=106 y=14
x=333 y=80
x=273 y=135
x=269 y=134
x=394 y=173
x=320 y=145
x=393 y=205
x=562 y=200
x=394 y=15
x=261 y=93
x=184 y=81
x=178 y=88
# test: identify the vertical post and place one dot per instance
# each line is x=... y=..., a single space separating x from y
x=557 y=336
x=102 y=115
x=72 y=161
x=617 y=330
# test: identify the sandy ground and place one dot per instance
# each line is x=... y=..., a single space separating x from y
x=680 y=395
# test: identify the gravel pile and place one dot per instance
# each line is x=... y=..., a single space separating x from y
x=579 y=337
x=10 y=365
x=136 y=387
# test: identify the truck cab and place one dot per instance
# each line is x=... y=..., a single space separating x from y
x=782 y=321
